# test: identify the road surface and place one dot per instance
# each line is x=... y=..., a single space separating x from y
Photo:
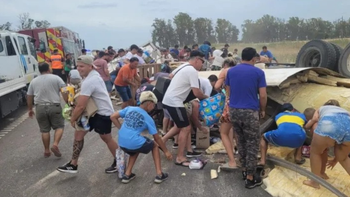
x=25 y=172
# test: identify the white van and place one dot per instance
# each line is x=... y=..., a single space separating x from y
x=18 y=67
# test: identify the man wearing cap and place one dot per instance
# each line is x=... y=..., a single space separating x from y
x=246 y=88
x=92 y=87
x=184 y=80
x=137 y=120
x=289 y=133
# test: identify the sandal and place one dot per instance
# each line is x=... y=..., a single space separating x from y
x=46 y=155
x=182 y=163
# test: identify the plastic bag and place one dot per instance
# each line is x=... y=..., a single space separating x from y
x=66 y=112
x=211 y=109
x=122 y=160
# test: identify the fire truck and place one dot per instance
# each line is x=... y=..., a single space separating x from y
x=60 y=38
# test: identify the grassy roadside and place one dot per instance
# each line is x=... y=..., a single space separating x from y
x=285 y=52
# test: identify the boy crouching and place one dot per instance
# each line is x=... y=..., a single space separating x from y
x=136 y=120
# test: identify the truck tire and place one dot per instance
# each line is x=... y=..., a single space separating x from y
x=317 y=53
x=344 y=62
x=338 y=52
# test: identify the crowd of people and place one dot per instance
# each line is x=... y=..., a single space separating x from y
x=246 y=98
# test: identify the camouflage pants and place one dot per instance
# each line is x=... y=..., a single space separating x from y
x=246 y=125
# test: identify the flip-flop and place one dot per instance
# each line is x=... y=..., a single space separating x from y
x=300 y=162
x=182 y=163
x=226 y=166
x=56 y=151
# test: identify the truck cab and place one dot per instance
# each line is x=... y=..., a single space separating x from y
x=18 y=67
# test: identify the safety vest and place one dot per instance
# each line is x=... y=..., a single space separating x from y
x=56 y=62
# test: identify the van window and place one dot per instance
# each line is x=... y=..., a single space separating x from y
x=23 y=46
x=9 y=46
x=32 y=48
x=1 y=47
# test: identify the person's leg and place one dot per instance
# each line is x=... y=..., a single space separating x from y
x=182 y=138
x=172 y=132
x=131 y=101
x=241 y=142
x=78 y=145
x=57 y=123
x=318 y=145
x=156 y=158
x=46 y=141
x=43 y=119
x=165 y=125
x=252 y=137
x=131 y=163
x=341 y=154
x=123 y=94
x=189 y=143
x=231 y=136
x=263 y=150
x=324 y=164
x=225 y=138
x=111 y=143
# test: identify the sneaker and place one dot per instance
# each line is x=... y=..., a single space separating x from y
x=193 y=154
x=244 y=175
x=126 y=179
x=68 y=168
x=250 y=184
x=112 y=169
x=175 y=146
x=160 y=179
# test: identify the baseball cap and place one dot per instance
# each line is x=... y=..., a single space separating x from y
x=148 y=96
x=86 y=59
x=287 y=107
x=196 y=53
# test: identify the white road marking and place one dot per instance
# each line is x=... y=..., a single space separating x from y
x=13 y=125
x=40 y=184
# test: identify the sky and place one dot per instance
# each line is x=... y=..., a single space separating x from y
x=122 y=23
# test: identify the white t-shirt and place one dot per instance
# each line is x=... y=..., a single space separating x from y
x=128 y=56
x=205 y=86
x=181 y=85
x=94 y=87
x=141 y=60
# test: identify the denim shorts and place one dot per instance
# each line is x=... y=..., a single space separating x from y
x=109 y=85
x=124 y=92
x=335 y=127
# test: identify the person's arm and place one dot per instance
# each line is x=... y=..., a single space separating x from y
x=137 y=78
x=116 y=115
x=221 y=80
x=192 y=75
x=79 y=108
x=30 y=100
x=262 y=94
x=105 y=69
x=152 y=129
x=314 y=120
x=127 y=80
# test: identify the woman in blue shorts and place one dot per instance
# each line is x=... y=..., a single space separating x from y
x=333 y=130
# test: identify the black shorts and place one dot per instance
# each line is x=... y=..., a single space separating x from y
x=178 y=115
x=144 y=149
x=101 y=124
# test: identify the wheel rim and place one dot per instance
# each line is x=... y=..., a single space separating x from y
x=312 y=57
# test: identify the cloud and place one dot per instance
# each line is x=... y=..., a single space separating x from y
x=97 y=5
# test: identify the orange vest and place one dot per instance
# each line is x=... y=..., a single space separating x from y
x=56 y=62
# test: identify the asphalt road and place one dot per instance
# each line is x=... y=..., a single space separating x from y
x=25 y=172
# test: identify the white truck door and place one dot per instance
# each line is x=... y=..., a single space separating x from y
x=28 y=62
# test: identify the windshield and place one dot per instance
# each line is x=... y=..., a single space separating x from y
x=32 y=49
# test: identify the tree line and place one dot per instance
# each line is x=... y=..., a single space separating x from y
x=185 y=30
x=25 y=22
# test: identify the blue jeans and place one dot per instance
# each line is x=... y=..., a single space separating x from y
x=109 y=86
x=124 y=92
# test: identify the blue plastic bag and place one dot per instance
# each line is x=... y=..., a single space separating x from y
x=211 y=109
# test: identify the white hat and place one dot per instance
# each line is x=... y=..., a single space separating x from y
x=148 y=96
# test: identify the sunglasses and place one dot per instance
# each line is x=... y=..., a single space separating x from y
x=201 y=60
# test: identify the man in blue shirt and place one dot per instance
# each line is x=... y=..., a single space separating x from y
x=206 y=49
x=266 y=53
x=175 y=51
x=289 y=133
x=246 y=87
x=137 y=120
